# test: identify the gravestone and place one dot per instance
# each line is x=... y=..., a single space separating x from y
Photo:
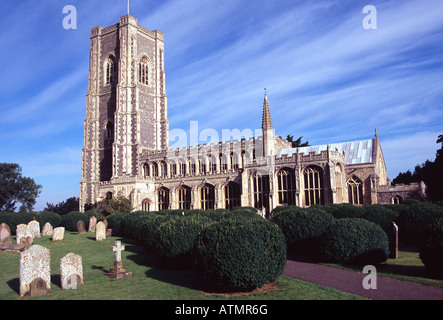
x=81 y=227
x=393 y=241
x=92 y=224
x=34 y=227
x=59 y=234
x=47 y=230
x=71 y=271
x=118 y=272
x=5 y=234
x=35 y=274
x=23 y=235
x=100 y=231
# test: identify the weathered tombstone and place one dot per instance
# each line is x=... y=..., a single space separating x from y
x=47 y=230
x=34 y=227
x=106 y=223
x=108 y=233
x=92 y=224
x=71 y=271
x=5 y=234
x=81 y=227
x=393 y=241
x=118 y=272
x=23 y=235
x=100 y=231
x=35 y=274
x=59 y=234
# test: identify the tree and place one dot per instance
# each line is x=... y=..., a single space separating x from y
x=14 y=188
x=297 y=143
x=114 y=204
x=430 y=172
x=63 y=207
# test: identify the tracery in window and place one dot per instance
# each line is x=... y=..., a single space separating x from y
x=207 y=197
x=109 y=70
x=286 y=186
x=184 y=197
x=143 y=71
x=232 y=195
x=313 y=186
x=355 y=190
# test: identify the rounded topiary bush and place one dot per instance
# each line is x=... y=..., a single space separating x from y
x=240 y=255
x=354 y=241
x=344 y=210
x=115 y=222
x=415 y=219
x=130 y=223
x=48 y=216
x=69 y=221
x=380 y=215
x=148 y=231
x=175 y=237
x=302 y=228
x=431 y=249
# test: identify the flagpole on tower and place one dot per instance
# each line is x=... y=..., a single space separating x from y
x=128 y=6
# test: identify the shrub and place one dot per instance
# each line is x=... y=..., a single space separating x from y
x=131 y=224
x=431 y=249
x=302 y=228
x=148 y=230
x=69 y=221
x=48 y=216
x=240 y=254
x=415 y=219
x=354 y=241
x=344 y=210
x=380 y=215
x=13 y=219
x=115 y=222
x=175 y=237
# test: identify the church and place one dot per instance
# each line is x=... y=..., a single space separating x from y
x=126 y=146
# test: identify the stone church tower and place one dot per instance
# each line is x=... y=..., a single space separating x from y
x=126 y=108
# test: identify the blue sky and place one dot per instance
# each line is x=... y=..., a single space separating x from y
x=328 y=79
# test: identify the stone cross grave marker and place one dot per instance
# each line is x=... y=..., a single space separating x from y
x=81 y=227
x=47 y=230
x=24 y=236
x=71 y=271
x=92 y=223
x=100 y=231
x=35 y=272
x=59 y=234
x=5 y=234
x=34 y=227
x=118 y=272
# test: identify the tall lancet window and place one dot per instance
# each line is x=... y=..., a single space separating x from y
x=143 y=71
x=109 y=70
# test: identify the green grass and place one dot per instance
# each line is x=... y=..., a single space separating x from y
x=150 y=280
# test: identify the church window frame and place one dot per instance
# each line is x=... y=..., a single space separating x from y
x=184 y=197
x=313 y=186
x=110 y=70
x=143 y=71
x=207 y=197
x=286 y=186
x=146 y=205
x=261 y=191
x=163 y=198
x=232 y=193
x=223 y=162
x=355 y=190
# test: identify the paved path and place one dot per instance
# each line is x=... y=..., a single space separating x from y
x=352 y=282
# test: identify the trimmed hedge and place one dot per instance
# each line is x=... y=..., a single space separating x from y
x=13 y=219
x=380 y=215
x=174 y=238
x=70 y=220
x=48 y=216
x=302 y=228
x=431 y=249
x=240 y=254
x=354 y=241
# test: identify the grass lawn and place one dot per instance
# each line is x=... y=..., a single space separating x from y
x=150 y=281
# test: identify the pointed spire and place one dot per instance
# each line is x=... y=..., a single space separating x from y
x=266 y=120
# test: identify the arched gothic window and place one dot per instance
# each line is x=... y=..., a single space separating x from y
x=163 y=198
x=146 y=205
x=355 y=190
x=109 y=70
x=184 y=197
x=232 y=195
x=397 y=199
x=109 y=130
x=261 y=191
x=143 y=71
x=313 y=186
x=154 y=169
x=234 y=161
x=286 y=186
x=223 y=162
x=164 y=169
x=207 y=196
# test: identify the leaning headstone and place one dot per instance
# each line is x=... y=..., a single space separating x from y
x=23 y=235
x=5 y=234
x=81 y=227
x=71 y=271
x=58 y=234
x=35 y=274
x=34 y=227
x=118 y=272
x=92 y=223
x=100 y=231
x=47 y=230
x=108 y=233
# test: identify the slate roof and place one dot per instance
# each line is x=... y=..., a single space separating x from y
x=357 y=152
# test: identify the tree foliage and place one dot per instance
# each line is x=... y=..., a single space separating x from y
x=297 y=143
x=117 y=203
x=14 y=188
x=63 y=207
x=431 y=172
